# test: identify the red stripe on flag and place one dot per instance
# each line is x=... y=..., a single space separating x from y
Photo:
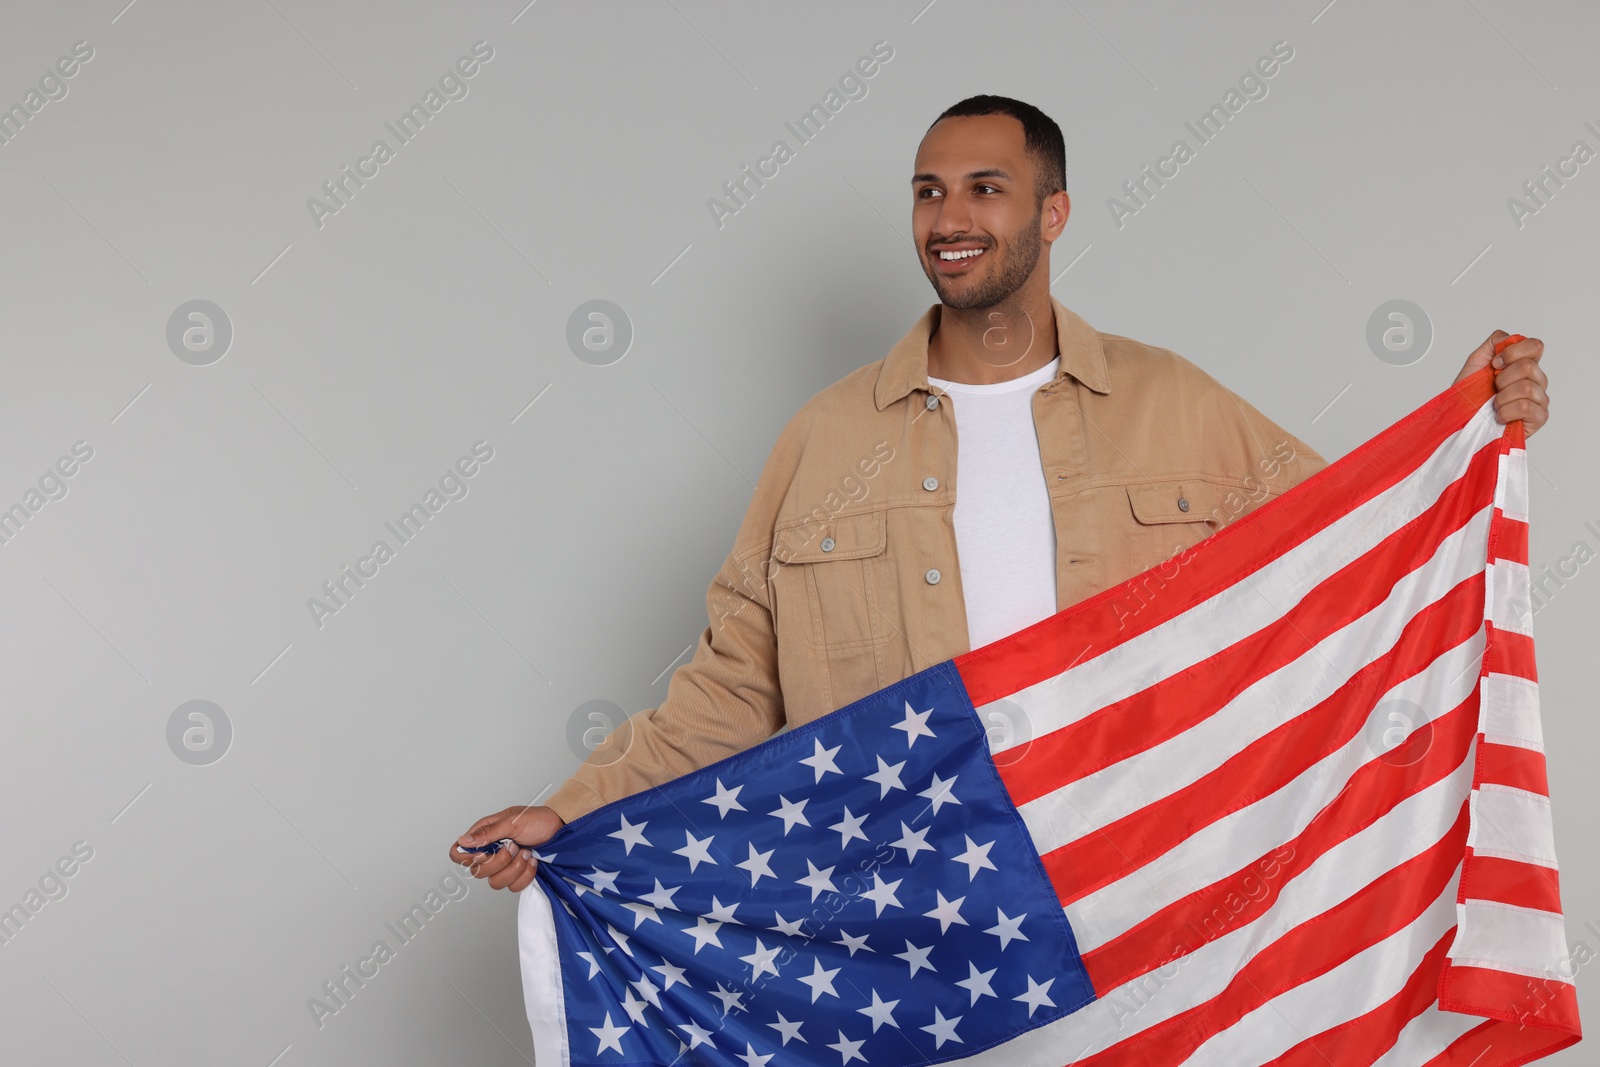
x=1373 y=791
x=1513 y=998
x=1154 y=715
x=1520 y=768
x=1386 y=905
x=1513 y=541
x=1527 y=885
x=1508 y=652
x=1363 y=1038
x=1050 y=646
x=1497 y=1044
x=1269 y=763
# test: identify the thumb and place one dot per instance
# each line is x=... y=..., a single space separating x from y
x=484 y=830
x=1484 y=354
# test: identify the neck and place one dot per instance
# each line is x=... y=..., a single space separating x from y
x=985 y=346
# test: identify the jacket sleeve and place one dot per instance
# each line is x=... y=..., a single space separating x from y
x=1274 y=457
x=727 y=697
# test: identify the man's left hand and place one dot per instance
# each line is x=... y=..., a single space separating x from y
x=1520 y=383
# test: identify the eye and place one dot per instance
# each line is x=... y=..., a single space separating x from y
x=925 y=189
x=986 y=185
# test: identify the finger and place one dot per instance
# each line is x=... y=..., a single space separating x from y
x=1527 y=410
x=1527 y=348
x=1522 y=370
x=513 y=870
x=1527 y=389
x=489 y=828
x=488 y=866
x=526 y=879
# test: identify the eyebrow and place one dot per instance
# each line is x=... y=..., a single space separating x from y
x=987 y=172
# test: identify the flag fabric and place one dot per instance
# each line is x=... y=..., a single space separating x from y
x=1279 y=800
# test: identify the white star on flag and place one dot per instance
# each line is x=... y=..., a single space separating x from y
x=849 y=827
x=947 y=912
x=821 y=760
x=695 y=850
x=761 y=959
x=820 y=980
x=915 y=725
x=913 y=842
x=661 y=897
x=704 y=932
x=757 y=864
x=917 y=958
x=848 y=1050
x=611 y=1036
x=817 y=881
x=725 y=799
x=631 y=834
x=674 y=975
x=887 y=777
x=853 y=943
x=883 y=895
x=698 y=1035
x=880 y=1012
x=791 y=813
x=976 y=857
x=752 y=1058
x=732 y=1000
x=939 y=792
x=1007 y=929
x=788 y=1029
x=1038 y=995
x=943 y=1029
x=977 y=982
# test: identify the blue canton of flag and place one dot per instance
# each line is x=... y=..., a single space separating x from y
x=857 y=889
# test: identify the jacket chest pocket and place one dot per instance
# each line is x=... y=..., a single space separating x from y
x=828 y=573
x=1170 y=515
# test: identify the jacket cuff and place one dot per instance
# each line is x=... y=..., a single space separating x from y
x=574 y=800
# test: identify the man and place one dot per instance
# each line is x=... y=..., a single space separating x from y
x=843 y=576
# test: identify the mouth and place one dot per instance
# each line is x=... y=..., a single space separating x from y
x=957 y=260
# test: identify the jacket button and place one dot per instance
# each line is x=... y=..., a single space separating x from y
x=933 y=401
x=930 y=483
x=1183 y=504
x=827 y=544
x=932 y=576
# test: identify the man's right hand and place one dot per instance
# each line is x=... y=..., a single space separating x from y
x=513 y=867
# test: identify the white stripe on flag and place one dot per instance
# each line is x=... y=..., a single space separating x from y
x=1511 y=492
x=1511 y=711
x=1426 y=1036
x=1505 y=937
x=1509 y=608
x=1512 y=824
x=542 y=993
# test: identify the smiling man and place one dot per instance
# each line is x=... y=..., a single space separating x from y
x=874 y=548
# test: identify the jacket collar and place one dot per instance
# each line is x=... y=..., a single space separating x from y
x=906 y=367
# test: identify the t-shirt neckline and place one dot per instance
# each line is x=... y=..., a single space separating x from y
x=1030 y=380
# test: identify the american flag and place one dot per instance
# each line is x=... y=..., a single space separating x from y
x=1280 y=800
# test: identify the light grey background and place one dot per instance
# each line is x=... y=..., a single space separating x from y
x=432 y=310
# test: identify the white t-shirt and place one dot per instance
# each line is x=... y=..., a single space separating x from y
x=1005 y=533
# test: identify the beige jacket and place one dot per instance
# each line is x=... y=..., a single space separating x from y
x=843 y=576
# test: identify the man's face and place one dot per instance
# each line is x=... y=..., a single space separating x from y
x=973 y=189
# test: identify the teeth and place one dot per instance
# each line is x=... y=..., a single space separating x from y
x=968 y=254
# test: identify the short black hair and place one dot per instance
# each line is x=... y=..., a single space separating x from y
x=1040 y=135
